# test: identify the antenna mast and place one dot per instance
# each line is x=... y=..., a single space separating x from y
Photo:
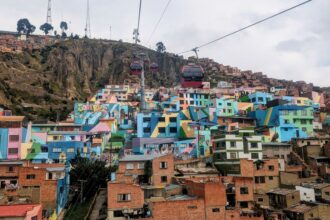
x=88 y=23
x=49 y=12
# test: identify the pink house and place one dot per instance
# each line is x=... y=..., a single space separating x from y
x=11 y=134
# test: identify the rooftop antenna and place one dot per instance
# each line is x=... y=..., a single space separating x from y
x=88 y=23
x=49 y=12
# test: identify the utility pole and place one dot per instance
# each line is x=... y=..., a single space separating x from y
x=136 y=31
x=49 y=12
x=88 y=22
x=82 y=189
x=110 y=32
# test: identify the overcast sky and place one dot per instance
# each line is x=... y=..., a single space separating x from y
x=294 y=46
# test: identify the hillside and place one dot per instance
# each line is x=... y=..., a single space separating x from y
x=43 y=83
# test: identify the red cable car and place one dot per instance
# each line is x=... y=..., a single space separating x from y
x=136 y=68
x=153 y=67
x=192 y=76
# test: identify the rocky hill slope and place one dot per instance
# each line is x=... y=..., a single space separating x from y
x=43 y=83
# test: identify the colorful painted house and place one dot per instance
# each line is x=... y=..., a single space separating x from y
x=12 y=134
x=226 y=107
x=286 y=122
x=156 y=124
x=196 y=99
x=260 y=98
x=64 y=146
x=90 y=114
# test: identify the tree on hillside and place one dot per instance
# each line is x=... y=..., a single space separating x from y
x=64 y=26
x=25 y=27
x=46 y=28
x=94 y=172
x=160 y=47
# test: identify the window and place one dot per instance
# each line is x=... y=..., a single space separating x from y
x=304 y=113
x=191 y=102
x=254 y=145
x=327 y=193
x=228 y=104
x=292 y=197
x=233 y=156
x=163 y=165
x=253 y=99
x=12 y=150
x=141 y=166
x=229 y=110
x=303 y=121
x=10 y=169
x=243 y=204
x=260 y=199
x=232 y=144
x=50 y=176
x=70 y=150
x=129 y=166
x=146 y=130
x=163 y=179
x=173 y=130
x=270 y=178
x=124 y=197
x=57 y=150
x=44 y=149
x=161 y=119
x=192 y=207
x=260 y=99
x=254 y=155
x=259 y=179
x=286 y=121
x=161 y=129
x=244 y=190
x=30 y=176
x=216 y=210
x=146 y=119
x=271 y=168
x=34 y=218
x=181 y=102
x=172 y=119
x=223 y=156
x=13 y=138
x=304 y=129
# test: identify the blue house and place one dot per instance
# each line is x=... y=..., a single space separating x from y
x=260 y=98
x=158 y=125
x=286 y=121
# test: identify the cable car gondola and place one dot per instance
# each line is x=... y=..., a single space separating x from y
x=192 y=76
x=136 y=68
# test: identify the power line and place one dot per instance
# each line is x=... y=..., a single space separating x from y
x=158 y=22
x=246 y=27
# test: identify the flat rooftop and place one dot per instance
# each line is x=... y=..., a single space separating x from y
x=282 y=191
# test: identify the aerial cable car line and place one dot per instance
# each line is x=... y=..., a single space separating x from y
x=159 y=20
x=195 y=49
